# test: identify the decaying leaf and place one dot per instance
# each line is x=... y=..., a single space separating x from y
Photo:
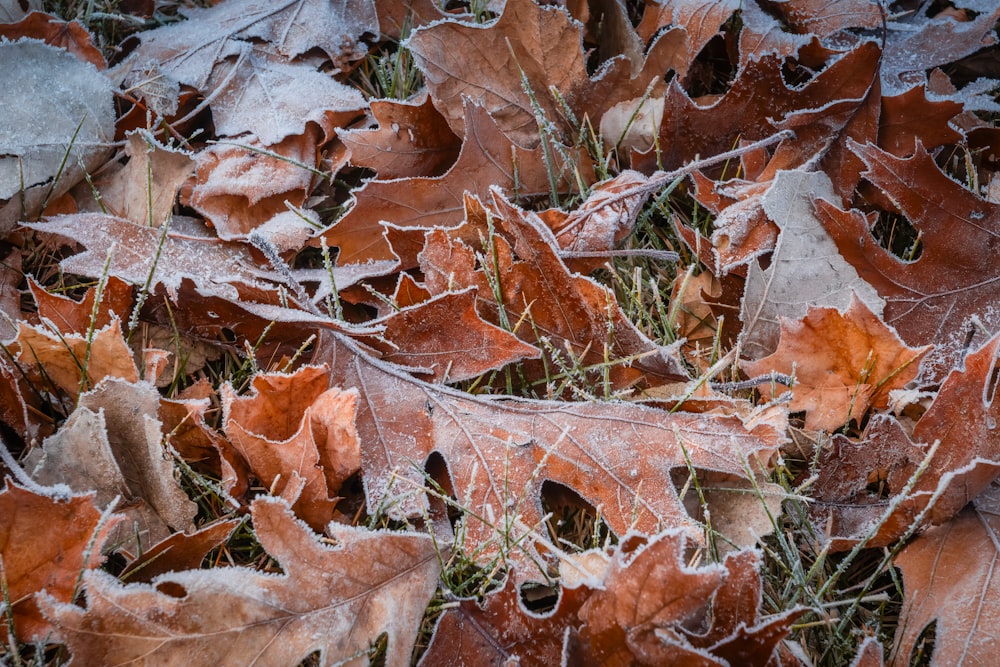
x=113 y=444
x=294 y=428
x=47 y=538
x=843 y=364
x=334 y=600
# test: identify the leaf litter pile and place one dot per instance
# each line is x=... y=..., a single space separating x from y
x=588 y=333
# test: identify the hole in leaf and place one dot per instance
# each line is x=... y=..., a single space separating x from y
x=171 y=588
x=878 y=484
x=539 y=598
x=573 y=522
x=923 y=649
x=896 y=233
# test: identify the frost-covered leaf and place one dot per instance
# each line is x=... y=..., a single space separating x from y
x=805 y=268
x=332 y=600
x=47 y=538
x=113 y=444
x=40 y=161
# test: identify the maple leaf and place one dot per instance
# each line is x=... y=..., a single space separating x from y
x=929 y=474
x=334 y=600
x=946 y=586
x=843 y=364
x=47 y=538
x=499 y=452
x=930 y=299
x=112 y=444
x=292 y=430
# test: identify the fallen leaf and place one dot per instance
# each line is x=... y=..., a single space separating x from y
x=411 y=140
x=499 y=452
x=487 y=159
x=293 y=426
x=69 y=35
x=949 y=575
x=805 y=268
x=933 y=298
x=41 y=161
x=47 y=539
x=113 y=444
x=843 y=364
x=332 y=600
x=180 y=551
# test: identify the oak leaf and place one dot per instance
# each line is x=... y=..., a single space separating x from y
x=949 y=574
x=499 y=452
x=180 y=551
x=332 y=600
x=68 y=35
x=47 y=538
x=843 y=364
x=933 y=298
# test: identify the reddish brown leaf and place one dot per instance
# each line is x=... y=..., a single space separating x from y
x=292 y=430
x=333 y=600
x=180 y=551
x=959 y=426
x=113 y=444
x=910 y=118
x=931 y=299
x=540 y=45
x=487 y=159
x=69 y=35
x=843 y=364
x=411 y=140
x=950 y=578
x=542 y=298
x=47 y=538
x=78 y=317
x=827 y=17
x=447 y=337
x=502 y=630
x=499 y=453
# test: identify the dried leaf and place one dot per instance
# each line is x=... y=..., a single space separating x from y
x=74 y=139
x=843 y=364
x=805 y=268
x=934 y=298
x=411 y=140
x=180 y=551
x=47 y=538
x=113 y=444
x=293 y=427
x=334 y=600
x=499 y=452
x=68 y=35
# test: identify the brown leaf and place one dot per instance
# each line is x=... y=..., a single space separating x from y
x=827 y=17
x=180 y=551
x=487 y=159
x=542 y=298
x=78 y=317
x=955 y=439
x=334 y=600
x=499 y=452
x=294 y=427
x=540 y=45
x=69 y=35
x=187 y=52
x=843 y=364
x=58 y=361
x=931 y=299
x=503 y=630
x=654 y=609
x=112 y=444
x=411 y=140
x=445 y=336
x=144 y=190
x=47 y=539
x=949 y=574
